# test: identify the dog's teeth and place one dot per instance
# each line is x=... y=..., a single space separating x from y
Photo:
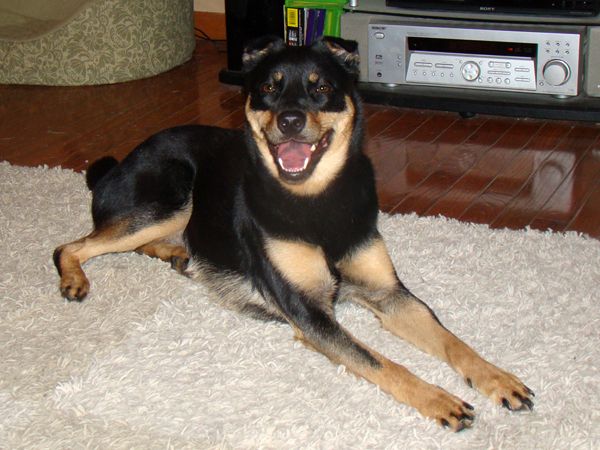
x=313 y=147
x=306 y=161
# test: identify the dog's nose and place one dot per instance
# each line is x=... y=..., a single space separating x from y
x=291 y=122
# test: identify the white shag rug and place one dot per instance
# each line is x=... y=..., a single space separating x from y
x=148 y=362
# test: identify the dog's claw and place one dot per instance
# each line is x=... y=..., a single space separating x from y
x=461 y=427
x=179 y=264
x=464 y=416
x=461 y=422
x=74 y=294
x=526 y=403
x=529 y=391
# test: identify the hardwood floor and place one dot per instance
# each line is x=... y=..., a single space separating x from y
x=500 y=171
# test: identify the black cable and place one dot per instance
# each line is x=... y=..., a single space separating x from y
x=201 y=34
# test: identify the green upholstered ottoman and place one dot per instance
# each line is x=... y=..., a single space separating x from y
x=80 y=42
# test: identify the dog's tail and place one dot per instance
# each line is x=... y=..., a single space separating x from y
x=98 y=169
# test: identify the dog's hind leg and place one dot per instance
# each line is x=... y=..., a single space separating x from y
x=143 y=200
x=405 y=315
x=175 y=254
x=121 y=236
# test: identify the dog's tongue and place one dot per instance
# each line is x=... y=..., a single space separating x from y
x=293 y=156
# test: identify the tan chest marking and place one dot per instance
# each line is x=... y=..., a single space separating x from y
x=303 y=265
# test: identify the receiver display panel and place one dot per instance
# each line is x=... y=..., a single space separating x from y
x=472 y=47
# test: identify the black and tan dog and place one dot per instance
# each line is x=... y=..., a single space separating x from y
x=278 y=220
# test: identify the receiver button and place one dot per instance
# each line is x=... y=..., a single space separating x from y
x=556 y=72
x=470 y=70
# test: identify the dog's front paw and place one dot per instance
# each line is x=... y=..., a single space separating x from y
x=446 y=409
x=74 y=286
x=502 y=387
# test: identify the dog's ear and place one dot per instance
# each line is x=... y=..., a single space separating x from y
x=345 y=51
x=257 y=49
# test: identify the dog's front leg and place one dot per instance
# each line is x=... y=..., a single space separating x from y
x=408 y=317
x=298 y=278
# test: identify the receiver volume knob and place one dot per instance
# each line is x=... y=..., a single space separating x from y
x=556 y=72
x=470 y=70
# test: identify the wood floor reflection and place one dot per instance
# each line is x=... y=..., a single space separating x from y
x=500 y=171
x=505 y=172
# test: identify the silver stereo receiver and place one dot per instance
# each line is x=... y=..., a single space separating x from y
x=525 y=61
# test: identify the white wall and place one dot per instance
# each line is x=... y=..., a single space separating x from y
x=217 y=6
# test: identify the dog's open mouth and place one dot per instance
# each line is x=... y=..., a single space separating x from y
x=296 y=159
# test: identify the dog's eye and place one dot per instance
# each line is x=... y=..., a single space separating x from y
x=267 y=88
x=324 y=89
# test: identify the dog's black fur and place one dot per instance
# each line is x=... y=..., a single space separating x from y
x=278 y=218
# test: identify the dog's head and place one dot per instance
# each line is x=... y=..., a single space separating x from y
x=302 y=109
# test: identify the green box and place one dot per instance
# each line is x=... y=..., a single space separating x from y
x=334 y=10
